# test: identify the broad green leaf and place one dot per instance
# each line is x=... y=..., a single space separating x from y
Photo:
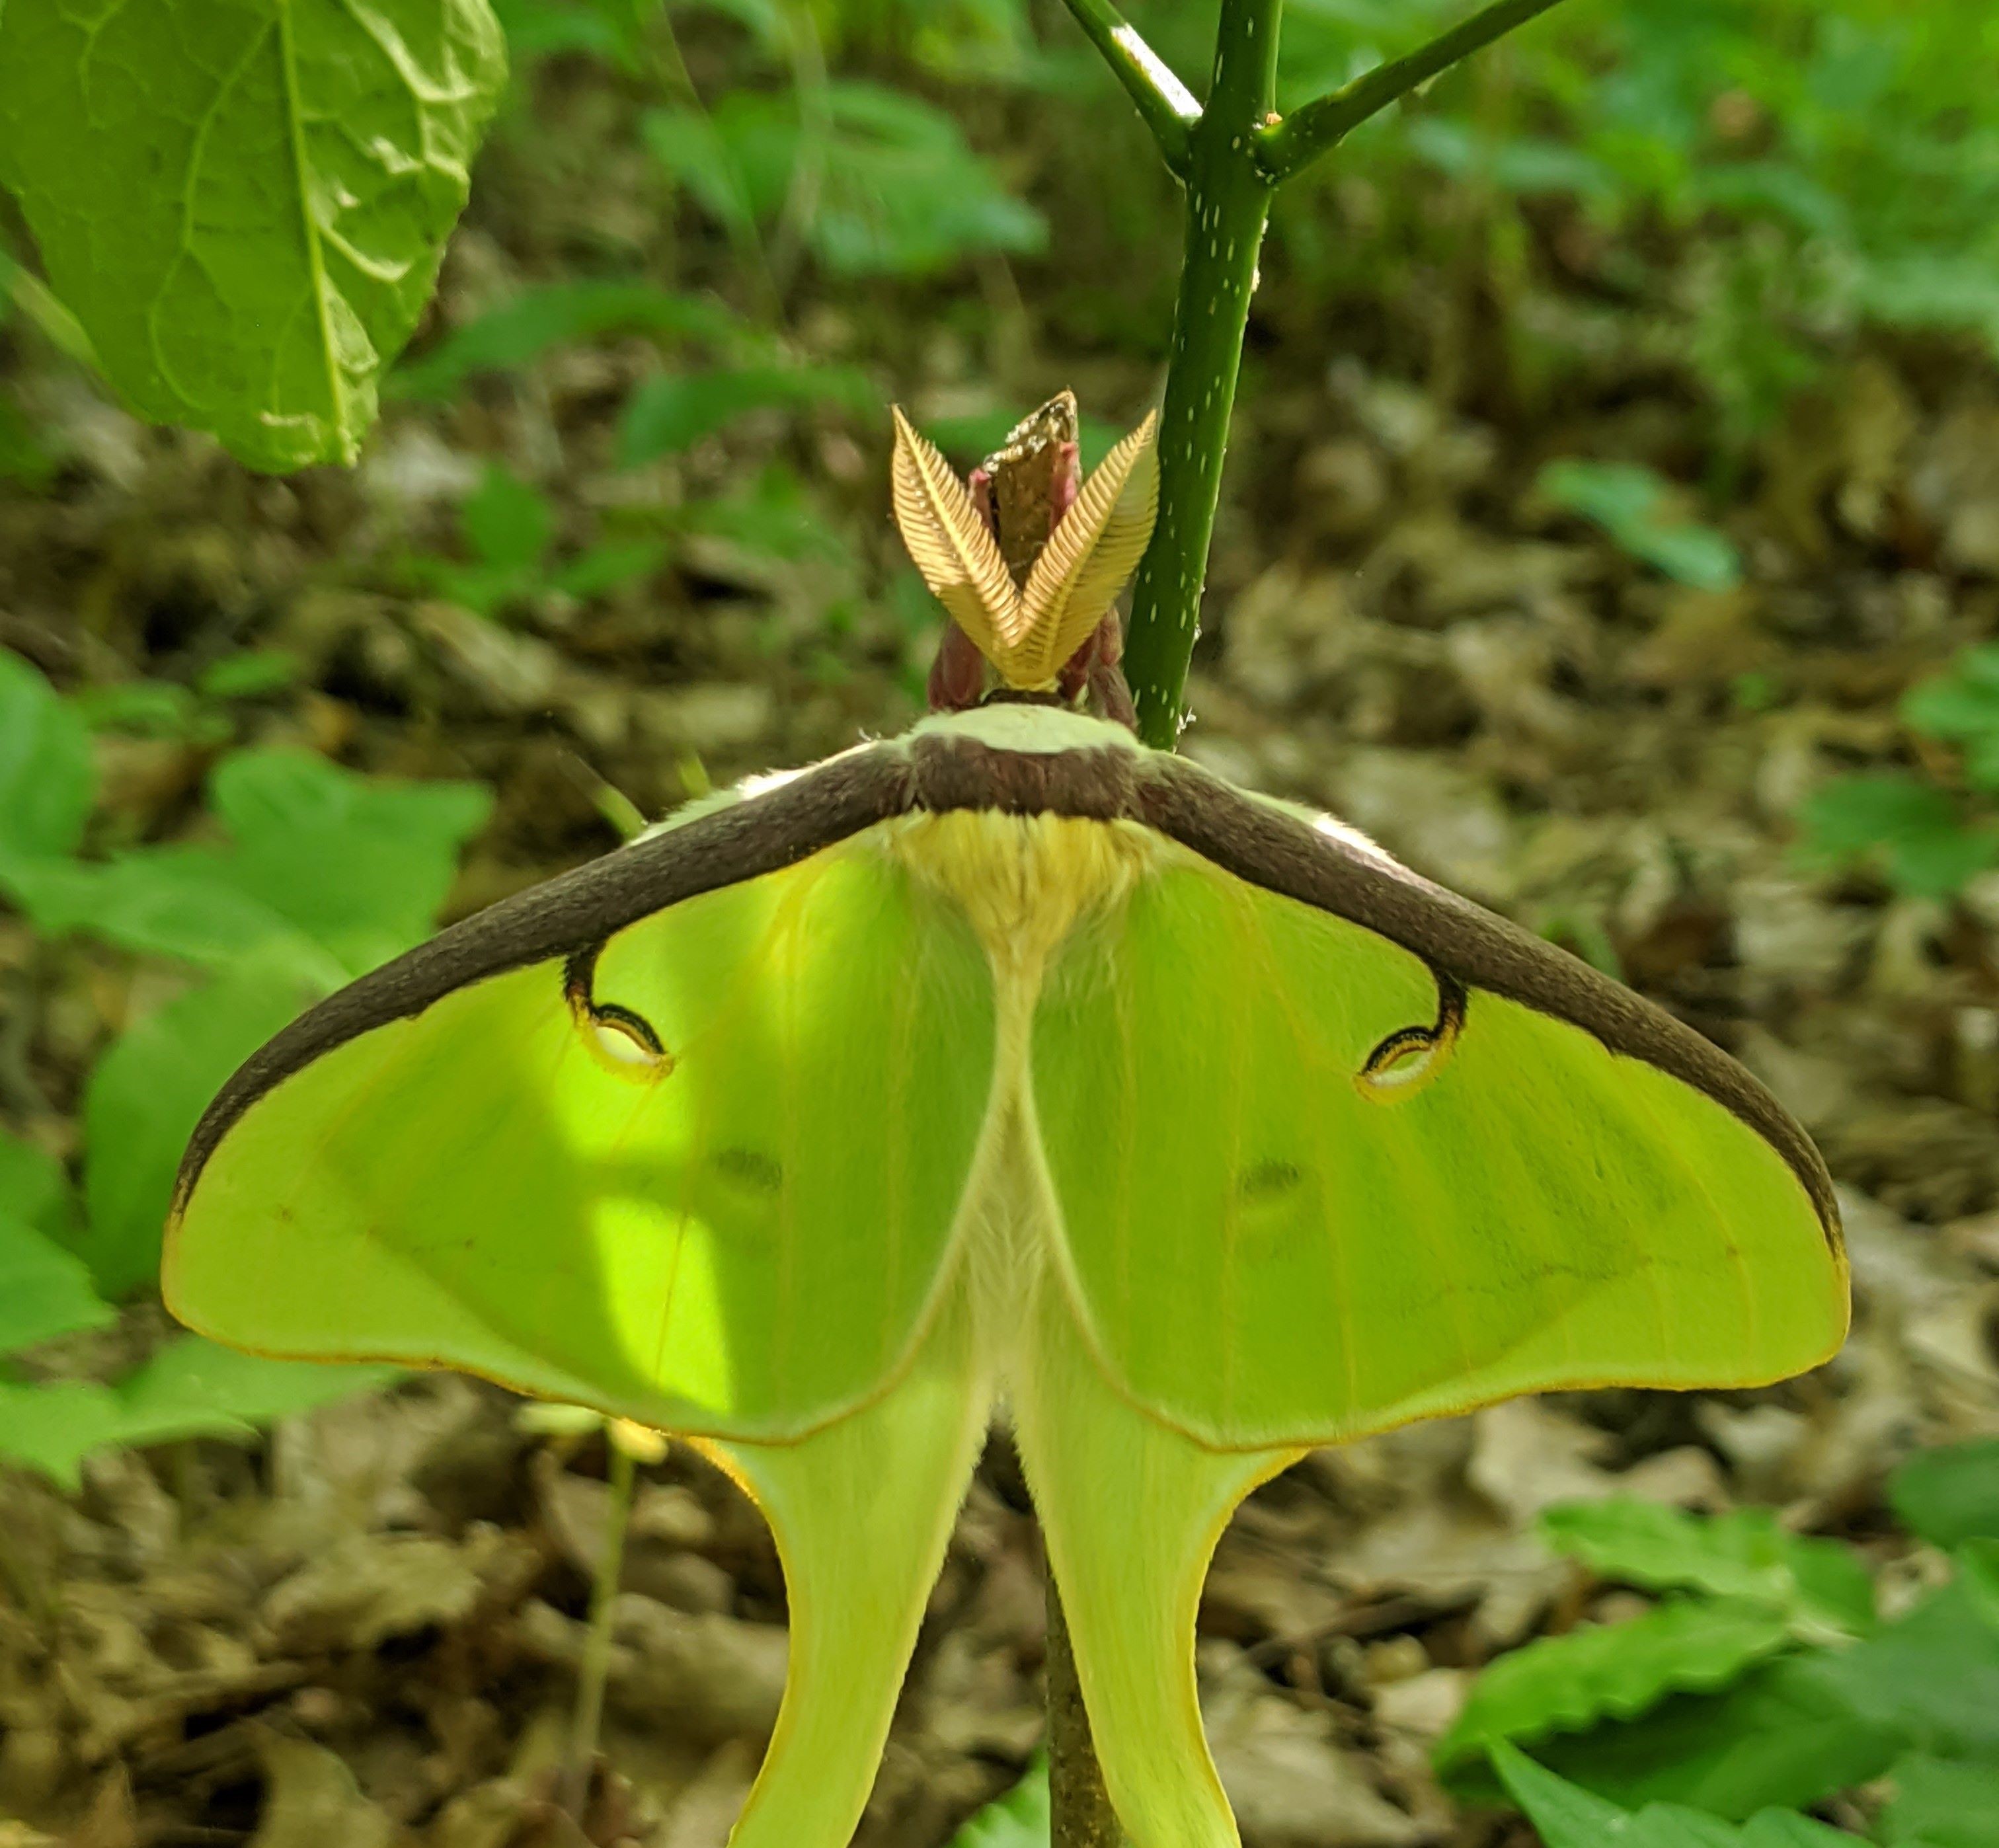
x=360 y=864
x=244 y=201
x=1939 y=1803
x=1977 y=1562
x=34 y=1189
x=1780 y=1736
x=1912 y=827
x=1019 y=1819
x=520 y=331
x=45 y=1290
x=774 y=516
x=251 y=673
x=508 y=522
x=1933 y=1676
x=1962 y=707
x=177 y=901
x=1565 y=1684
x=1632 y=505
x=610 y=29
x=898 y=192
x=149 y=709
x=143 y=1098
x=25 y=458
x=1568 y=1816
x=47 y=781
x=190 y=1389
x=605 y=567
x=665 y=416
x=1745 y=1554
x=232 y=1393
x=52 y=1426
x=1950 y=1494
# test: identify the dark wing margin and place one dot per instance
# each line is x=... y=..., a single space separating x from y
x=1462 y=942
x=570 y=916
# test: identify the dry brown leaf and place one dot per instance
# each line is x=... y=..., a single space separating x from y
x=311 y=1801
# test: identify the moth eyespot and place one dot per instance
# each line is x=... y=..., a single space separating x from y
x=751 y=1170
x=621 y=1040
x=1267 y=1182
x=1412 y=1056
x=624 y=1043
x=1400 y=1062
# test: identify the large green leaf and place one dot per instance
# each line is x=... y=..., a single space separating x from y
x=1566 y=1683
x=190 y=1389
x=1568 y=1817
x=145 y=1097
x=1939 y=1804
x=244 y=201
x=45 y=1287
x=360 y=864
x=1746 y=1554
x=665 y=416
x=1913 y=829
x=897 y=189
x=36 y=1191
x=1019 y=1819
x=1963 y=706
x=47 y=780
x=326 y=871
x=518 y=332
x=1780 y=1736
x=1950 y=1494
x=1933 y=1676
x=44 y=1290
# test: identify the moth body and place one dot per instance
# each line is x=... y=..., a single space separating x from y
x=1008 y=1062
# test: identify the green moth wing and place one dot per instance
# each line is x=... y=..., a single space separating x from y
x=1330 y=1149
x=861 y=1511
x=634 y=1170
x=1005 y=1056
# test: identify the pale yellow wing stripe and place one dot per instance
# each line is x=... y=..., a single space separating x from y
x=951 y=546
x=1092 y=553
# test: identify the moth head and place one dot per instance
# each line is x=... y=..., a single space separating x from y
x=1028 y=595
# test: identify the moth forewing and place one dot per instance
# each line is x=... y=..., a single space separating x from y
x=1092 y=553
x=951 y=546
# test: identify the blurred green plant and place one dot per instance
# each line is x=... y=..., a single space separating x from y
x=1751 y=183
x=1634 y=506
x=507 y=527
x=513 y=334
x=1570 y=1817
x=1017 y=1819
x=302 y=876
x=880 y=183
x=1929 y=838
x=1763 y=1680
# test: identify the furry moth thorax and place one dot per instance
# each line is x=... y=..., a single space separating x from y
x=1026 y=560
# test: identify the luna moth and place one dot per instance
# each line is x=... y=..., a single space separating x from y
x=1009 y=1065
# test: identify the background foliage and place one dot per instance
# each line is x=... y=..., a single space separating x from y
x=1613 y=528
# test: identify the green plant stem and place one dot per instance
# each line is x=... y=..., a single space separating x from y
x=1288 y=147
x=1167 y=106
x=594 y=1666
x=1227 y=206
